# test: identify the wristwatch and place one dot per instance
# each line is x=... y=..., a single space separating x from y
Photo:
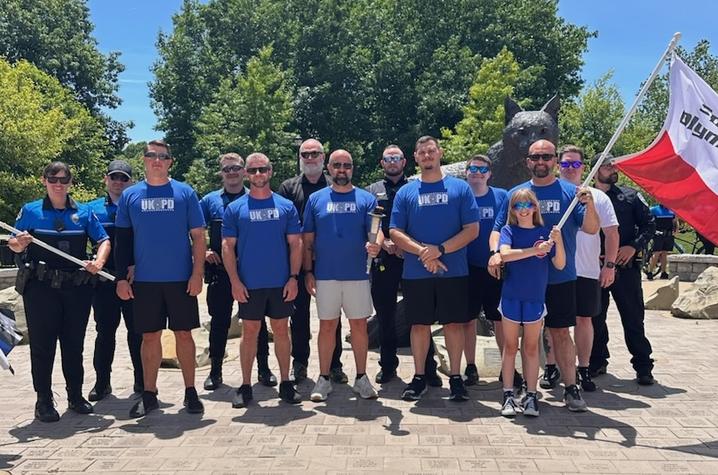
x=610 y=265
x=294 y=276
x=441 y=249
x=492 y=252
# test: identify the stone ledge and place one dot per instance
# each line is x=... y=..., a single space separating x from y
x=693 y=258
x=7 y=277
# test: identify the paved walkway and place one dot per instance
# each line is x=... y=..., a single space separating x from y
x=671 y=427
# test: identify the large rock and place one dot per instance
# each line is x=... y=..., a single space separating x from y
x=664 y=296
x=12 y=305
x=701 y=302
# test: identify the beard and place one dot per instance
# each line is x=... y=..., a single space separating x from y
x=342 y=180
x=393 y=172
x=610 y=179
x=313 y=168
x=540 y=171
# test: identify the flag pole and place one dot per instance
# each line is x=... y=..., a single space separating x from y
x=623 y=124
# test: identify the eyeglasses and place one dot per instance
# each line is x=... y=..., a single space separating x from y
x=478 y=169
x=344 y=165
x=546 y=157
x=119 y=177
x=232 y=168
x=392 y=158
x=519 y=205
x=571 y=164
x=62 y=179
x=255 y=170
x=312 y=154
x=160 y=155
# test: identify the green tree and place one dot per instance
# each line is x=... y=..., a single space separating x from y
x=251 y=112
x=40 y=121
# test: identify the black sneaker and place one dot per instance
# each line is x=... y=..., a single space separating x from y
x=645 y=379
x=414 y=390
x=598 y=371
x=583 y=375
x=100 y=391
x=457 y=388
x=45 y=409
x=148 y=402
x=509 y=408
x=529 y=405
x=242 y=396
x=79 y=404
x=573 y=400
x=288 y=393
x=664 y=275
x=519 y=382
x=433 y=379
x=471 y=375
x=383 y=377
x=267 y=378
x=650 y=275
x=299 y=372
x=337 y=375
x=192 y=402
x=551 y=376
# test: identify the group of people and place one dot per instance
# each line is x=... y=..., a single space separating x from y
x=456 y=248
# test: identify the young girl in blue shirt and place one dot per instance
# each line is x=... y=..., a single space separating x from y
x=526 y=246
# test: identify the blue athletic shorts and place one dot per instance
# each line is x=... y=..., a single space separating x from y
x=522 y=312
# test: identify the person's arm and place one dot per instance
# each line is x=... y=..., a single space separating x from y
x=611 y=239
x=591 y=223
x=229 y=259
x=294 y=241
x=199 y=251
x=307 y=263
x=559 y=258
x=124 y=250
x=103 y=252
x=509 y=254
x=19 y=242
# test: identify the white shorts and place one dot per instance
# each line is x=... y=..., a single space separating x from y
x=353 y=296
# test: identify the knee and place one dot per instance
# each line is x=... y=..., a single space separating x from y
x=251 y=328
x=358 y=324
x=584 y=323
x=280 y=329
x=152 y=338
x=560 y=336
x=328 y=325
x=183 y=336
x=511 y=346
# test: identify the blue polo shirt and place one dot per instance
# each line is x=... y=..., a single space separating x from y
x=161 y=218
x=489 y=206
x=106 y=212
x=340 y=223
x=261 y=227
x=213 y=205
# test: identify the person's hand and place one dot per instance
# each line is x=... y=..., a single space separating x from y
x=290 y=290
x=495 y=264
x=584 y=195
x=23 y=239
x=555 y=234
x=389 y=246
x=625 y=254
x=93 y=267
x=607 y=276
x=429 y=252
x=124 y=290
x=212 y=257
x=373 y=249
x=310 y=283
x=131 y=274
x=194 y=285
x=435 y=266
x=544 y=247
x=239 y=292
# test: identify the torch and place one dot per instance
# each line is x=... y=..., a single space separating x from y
x=376 y=217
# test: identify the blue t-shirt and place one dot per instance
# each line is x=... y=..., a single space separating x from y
x=489 y=205
x=161 y=218
x=340 y=223
x=261 y=228
x=554 y=200
x=526 y=279
x=432 y=213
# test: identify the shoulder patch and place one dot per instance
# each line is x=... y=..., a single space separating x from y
x=640 y=197
x=19 y=214
x=75 y=218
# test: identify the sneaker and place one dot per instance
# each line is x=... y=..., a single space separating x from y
x=433 y=379
x=321 y=389
x=519 y=382
x=383 y=377
x=242 y=396
x=267 y=378
x=598 y=371
x=288 y=393
x=337 y=375
x=364 y=389
x=471 y=375
x=458 y=390
x=299 y=372
x=148 y=402
x=509 y=407
x=649 y=275
x=414 y=390
x=529 y=404
x=551 y=376
x=645 y=379
x=574 y=401
x=664 y=275
x=79 y=404
x=192 y=402
x=583 y=375
x=45 y=409
x=100 y=391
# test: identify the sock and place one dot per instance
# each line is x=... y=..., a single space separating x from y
x=419 y=377
x=509 y=391
x=325 y=376
x=530 y=393
x=455 y=376
x=360 y=376
x=550 y=367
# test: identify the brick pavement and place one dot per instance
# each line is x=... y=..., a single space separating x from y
x=671 y=427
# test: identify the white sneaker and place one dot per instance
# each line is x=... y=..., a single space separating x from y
x=364 y=389
x=321 y=390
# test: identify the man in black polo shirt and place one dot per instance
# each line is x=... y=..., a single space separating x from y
x=297 y=190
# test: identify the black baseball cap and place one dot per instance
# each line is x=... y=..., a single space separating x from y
x=606 y=161
x=119 y=166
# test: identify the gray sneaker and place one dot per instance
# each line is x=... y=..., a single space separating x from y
x=574 y=401
x=509 y=407
x=530 y=405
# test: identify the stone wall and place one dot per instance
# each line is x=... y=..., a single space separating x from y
x=7 y=277
x=689 y=266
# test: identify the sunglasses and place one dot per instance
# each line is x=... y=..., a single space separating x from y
x=160 y=155
x=232 y=168
x=546 y=157
x=345 y=166
x=119 y=177
x=478 y=169
x=62 y=179
x=255 y=170
x=519 y=205
x=567 y=164
x=392 y=158
x=312 y=154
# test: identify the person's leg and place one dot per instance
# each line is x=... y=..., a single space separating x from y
x=186 y=352
x=629 y=301
x=599 y=349
x=384 y=289
x=420 y=337
x=327 y=342
x=508 y=355
x=499 y=334
x=454 y=337
x=299 y=324
x=151 y=358
x=664 y=262
x=134 y=343
x=469 y=331
x=565 y=354
x=550 y=348
x=219 y=305
x=530 y=354
x=336 y=363
x=263 y=348
x=76 y=304
x=43 y=310
x=584 y=339
x=248 y=348
x=106 y=311
x=360 y=343
x=282 y=345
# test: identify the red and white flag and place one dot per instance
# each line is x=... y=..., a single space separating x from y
x=680 y=168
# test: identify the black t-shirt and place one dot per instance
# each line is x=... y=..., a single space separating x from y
x=298 y=189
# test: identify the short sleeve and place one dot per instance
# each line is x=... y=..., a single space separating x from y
x=204 y=203
x=293 y=224
x=94 y=228
x=23 y=220
x=308 y=222
x=398 y=211
x=230 y=228
x=469 y=208
x=506 y=238
x=371 y=204
x=606 y=214
x=122 y=219
x=194 y=211
x=502 y=215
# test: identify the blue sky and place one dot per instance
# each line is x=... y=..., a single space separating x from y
x=631 y=36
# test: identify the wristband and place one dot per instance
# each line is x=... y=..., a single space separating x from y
x=441 y=249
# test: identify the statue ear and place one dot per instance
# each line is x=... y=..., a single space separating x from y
x=511 y=108
x=552 y=107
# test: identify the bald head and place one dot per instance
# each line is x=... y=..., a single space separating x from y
x=542 y=146
x=311 y=145
x=339 y=153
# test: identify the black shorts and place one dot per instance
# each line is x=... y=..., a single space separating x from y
x=662 y=243
x=157 y=303
x=588 y=297
x=435 y=300
x=561 y=305
x=484 y=293
x=266 y=302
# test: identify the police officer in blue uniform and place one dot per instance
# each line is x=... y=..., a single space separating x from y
x=107 y=307
x=57 y=295
x=219 y=289
x=635 y=228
